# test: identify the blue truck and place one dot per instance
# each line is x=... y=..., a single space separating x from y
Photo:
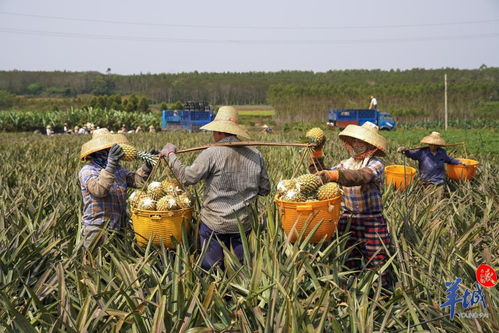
x=191 y=118
x=343 y=117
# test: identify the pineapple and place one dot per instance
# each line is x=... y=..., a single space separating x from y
x=286 y=185
x=184 y=200
x=166 y=203
x=135 y=198
x=308 y=183
x=316 y=136
x=131 y=153
x=155 y=190
x=293 y=196
x=328 y=191
x=147 y=203
x=171 y=186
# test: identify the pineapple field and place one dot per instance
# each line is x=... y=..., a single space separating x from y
x=49 y=284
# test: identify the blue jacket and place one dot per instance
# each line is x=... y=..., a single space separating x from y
x=431 y=167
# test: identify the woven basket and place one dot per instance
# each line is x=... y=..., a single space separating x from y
x=295 y=216
x=162 y=227
x=399 y=176
x=462 y=172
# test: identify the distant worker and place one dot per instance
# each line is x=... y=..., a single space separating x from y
x=65 y=128
x=234 y=176
x=49 y=130
x=123 y=129
x=431 y=159
x=139 y=129
x=373 y=105
x=266 y=129
x=152 y=129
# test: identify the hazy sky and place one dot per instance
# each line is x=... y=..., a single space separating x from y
x=254 y=35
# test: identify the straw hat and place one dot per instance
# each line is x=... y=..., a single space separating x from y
x=101 y=139
x=226 y=121
x=368 y=133
x=433 y=139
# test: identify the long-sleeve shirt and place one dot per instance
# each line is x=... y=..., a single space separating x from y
x=362 y=187
x=431 y=166
x=234 y=177
x=104 y=193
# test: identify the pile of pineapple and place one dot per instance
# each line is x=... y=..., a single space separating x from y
x=162 y=196
x=306 y=188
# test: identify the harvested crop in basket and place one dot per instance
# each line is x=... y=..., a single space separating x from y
x=287 y=185
x=308 y=183
x=155 y=190
x=147 y=203
x=135 y=198
x=171 y=186
x=167 y=203
x=328 y=191
x=184 y=200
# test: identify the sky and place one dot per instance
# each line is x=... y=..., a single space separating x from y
x=153 y=36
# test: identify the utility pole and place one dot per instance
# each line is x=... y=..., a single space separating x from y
x=445 y=100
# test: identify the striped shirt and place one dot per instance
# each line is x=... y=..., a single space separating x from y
x=234 y=177
x=367 y=198
x=106 y=203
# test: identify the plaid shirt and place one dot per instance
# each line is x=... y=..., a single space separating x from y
x=234 y=178
x=110 y=207
x=364 y=199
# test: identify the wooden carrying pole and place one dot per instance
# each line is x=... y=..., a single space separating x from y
x=447 y=145
x=445 y=101
x=246 y=143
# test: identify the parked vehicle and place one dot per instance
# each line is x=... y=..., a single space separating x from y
x=191 y=118
x=343 y=117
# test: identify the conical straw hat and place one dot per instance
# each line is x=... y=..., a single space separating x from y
x=433 y=139
x=101 y=139
x=227 y=121
x=368 y=132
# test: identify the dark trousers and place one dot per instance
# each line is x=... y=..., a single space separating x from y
x=214 y=254
x=370 y=236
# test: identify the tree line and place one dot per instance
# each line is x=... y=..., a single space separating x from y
x=295 y=94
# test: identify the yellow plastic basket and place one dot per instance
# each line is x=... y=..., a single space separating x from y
x=162 y=227
x=399 y=176
x=462 y=172
x=295 y=216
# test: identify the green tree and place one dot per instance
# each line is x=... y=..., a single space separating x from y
x=7 y=100
x=34 y=89
x=143 y=105
x=163 y=106
x=133 y=101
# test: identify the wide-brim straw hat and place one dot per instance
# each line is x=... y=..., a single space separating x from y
x=101 y=139
x=227 y=121
x=368 y=133
x=433 y=139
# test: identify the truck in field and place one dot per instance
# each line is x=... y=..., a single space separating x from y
x=191 y=118
x=340 y=118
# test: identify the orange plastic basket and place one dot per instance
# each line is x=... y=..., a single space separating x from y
x=297 y=215
x=399 y=176
x=462 y=172
x=162 y=227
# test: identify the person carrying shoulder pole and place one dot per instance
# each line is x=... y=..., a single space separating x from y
x=234 y=176
x=431 y=161
x=361 y=179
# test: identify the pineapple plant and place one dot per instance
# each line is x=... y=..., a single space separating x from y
x=131 y=153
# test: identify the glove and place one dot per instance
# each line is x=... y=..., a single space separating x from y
x=401 y=149
x=328 y=175
x=168 y=149
x=463 y=164
x=113 y=158
x=317 y=150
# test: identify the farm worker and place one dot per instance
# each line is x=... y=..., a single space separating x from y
x=49 y=130
x=104 y=184
x=152 y=129
x=361 y=179
x=138 y=129
x=431 y=159
x=123 y=129
x=234 y=177
x=373 y=105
